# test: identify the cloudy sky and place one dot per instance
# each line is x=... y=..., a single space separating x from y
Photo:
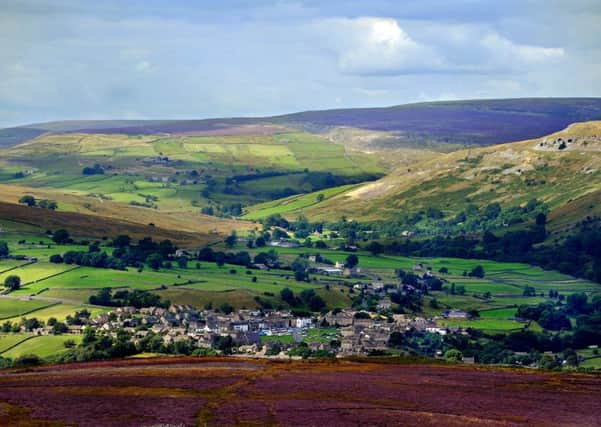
x=139 y=59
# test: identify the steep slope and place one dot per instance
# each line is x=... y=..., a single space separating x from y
x=563 y=170
x=481 y=122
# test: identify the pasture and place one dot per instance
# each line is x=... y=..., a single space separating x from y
x=10 y=307
x=36 y=272
x=489 y=325
x=8 y=341
x=292 y=206
x=59 y=311
x=44 y=346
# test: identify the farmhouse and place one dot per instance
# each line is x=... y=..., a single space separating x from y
x=457 y=314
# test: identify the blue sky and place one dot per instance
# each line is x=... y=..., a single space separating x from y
x=196 y=59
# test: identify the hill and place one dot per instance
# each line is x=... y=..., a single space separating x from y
x=561 y=170
x=179 y=174
x=220 y=391
x=481 y=122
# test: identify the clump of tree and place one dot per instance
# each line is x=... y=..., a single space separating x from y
x=124 y=298
x=97 y=169
x=31 y=201
x=48 y=204
x=307 y=299
x=28 y=200
x=477 y=271
x=61 y=237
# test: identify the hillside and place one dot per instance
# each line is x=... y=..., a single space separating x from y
x=481 y=122
x=221 y=391
x=171 y=180
x=562 y=170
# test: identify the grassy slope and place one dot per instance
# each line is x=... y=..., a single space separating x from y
x=510 y=174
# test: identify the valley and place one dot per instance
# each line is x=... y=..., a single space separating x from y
x=294 y=239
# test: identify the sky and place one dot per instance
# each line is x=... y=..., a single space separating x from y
x=149 y=59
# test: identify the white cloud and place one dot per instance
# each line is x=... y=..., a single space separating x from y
x=368 y=45
x=381 y=46
x=507 y=50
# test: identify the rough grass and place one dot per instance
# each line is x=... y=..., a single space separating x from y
x=510 y=174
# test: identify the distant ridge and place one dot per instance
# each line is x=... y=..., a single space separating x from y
x=480 y=122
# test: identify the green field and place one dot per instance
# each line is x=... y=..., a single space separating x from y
x=42 y=346
x=312 y=336
x=8 y=341
x=492 y=325
x=267 y=163
x=8 y=264
x=36 y=272
x=59 y=312
x=293 y=204
x=15 y=307
x=498 y=313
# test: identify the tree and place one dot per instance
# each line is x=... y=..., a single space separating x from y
x=61 y=237
x=166 y=248
x=351 y=261
x=48 y=204
x=299 y=266
x=375 y=248
x=154 y=261
x=182 y=262
x=529 y=291
x=12 y=282
x=94 y=170
x=122 y=241
x=56 y=259
x=28 y=200
x=316 y=303
x=4 y=250
x=577 y=303
x=477 y=271
x=230 y=241
x=226 y=308
x=224 y=344
x=453 y=355
x=541 y=219
x=288 y=296
x=59 y=328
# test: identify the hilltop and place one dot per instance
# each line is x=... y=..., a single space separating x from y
x=480 y=122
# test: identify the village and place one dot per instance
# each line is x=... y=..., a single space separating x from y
x=258 y=333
